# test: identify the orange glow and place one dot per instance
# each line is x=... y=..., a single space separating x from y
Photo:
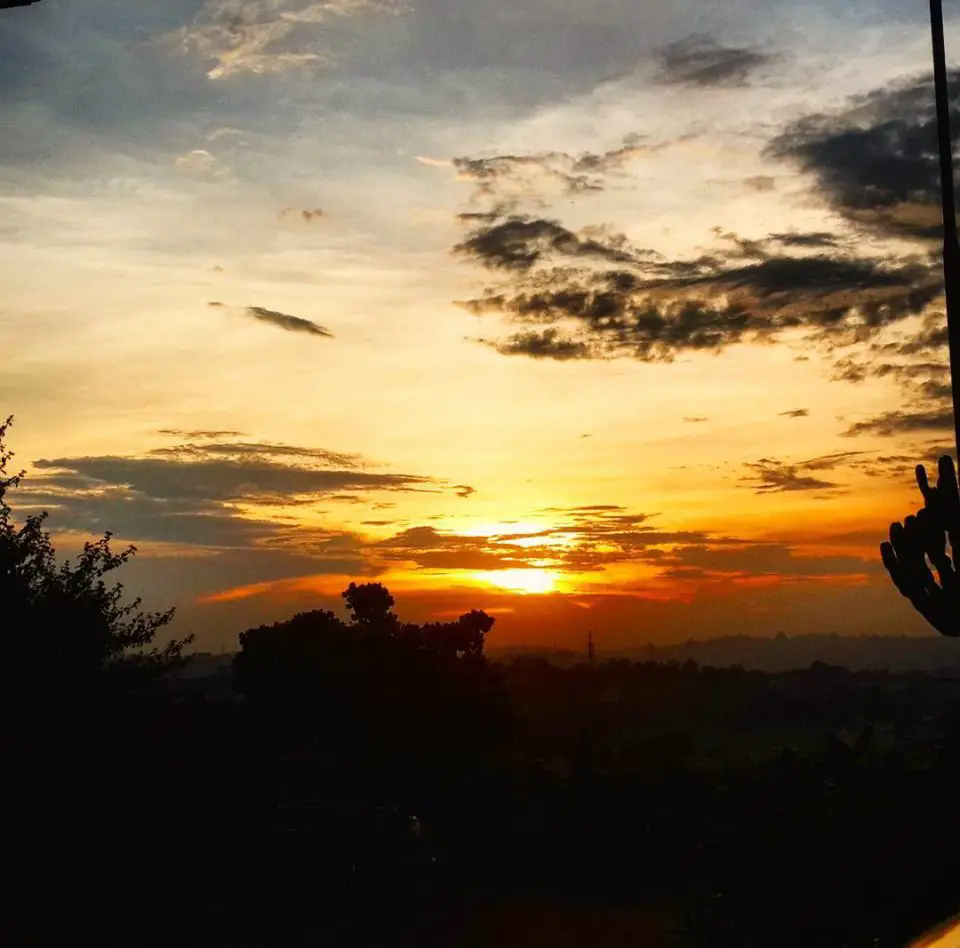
x=527 y=581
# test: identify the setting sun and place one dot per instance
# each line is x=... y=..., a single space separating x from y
x=522 y=580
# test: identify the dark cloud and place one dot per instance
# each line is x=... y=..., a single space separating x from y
x=92 y=508
x=815 y=239
x=203 y=496
x=796 y=413
x=543 y=344
x=213 y=473
x=771 y=476
x=904 y=422
x=519 y=242
x=876 y=161
x=290 y=323
x=653 y=309
x=701 y=61
x=768 y=559
x=695 y=419
x=776 y=477
x=428 y=548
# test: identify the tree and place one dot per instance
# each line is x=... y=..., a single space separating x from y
x=64 y=623
x=370 y=605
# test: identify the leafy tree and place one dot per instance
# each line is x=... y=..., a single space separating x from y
x=370 y=605
x=66 y=624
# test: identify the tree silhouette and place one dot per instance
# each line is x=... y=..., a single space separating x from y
x=63 y=619
x=374 y=692
x=920 y=541
x=370 y=605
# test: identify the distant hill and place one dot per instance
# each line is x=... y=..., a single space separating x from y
x=904 y=653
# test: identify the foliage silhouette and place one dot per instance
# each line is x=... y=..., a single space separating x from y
x=922 y=538
x=374 y=693
x=69 y=620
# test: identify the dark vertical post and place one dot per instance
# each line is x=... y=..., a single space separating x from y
x=951 y=251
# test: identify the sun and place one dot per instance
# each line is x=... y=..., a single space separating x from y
x=536 y=581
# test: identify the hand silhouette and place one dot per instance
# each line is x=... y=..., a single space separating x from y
x=923 y=538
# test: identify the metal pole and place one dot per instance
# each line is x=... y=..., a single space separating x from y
x=951 y=250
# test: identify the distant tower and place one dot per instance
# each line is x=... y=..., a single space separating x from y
x=591 y=651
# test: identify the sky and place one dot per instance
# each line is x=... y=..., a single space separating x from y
x=619 y=316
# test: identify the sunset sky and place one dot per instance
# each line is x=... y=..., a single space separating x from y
x=618 y=315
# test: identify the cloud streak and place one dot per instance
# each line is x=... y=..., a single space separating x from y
x=289 y=323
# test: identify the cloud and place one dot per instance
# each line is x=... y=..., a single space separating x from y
x=814 y=239
x=771 y=476
x=876 y=160
x=520 y=242
x=757 y=560
x=695 y=419
x=306 y=215
x=796 y=413
x=507 y=178
x=591 y=538
x=229 y=473
x=242 y=451
x=702 y=62
x=263 y=37
x=652 y=309
x=931 y=337
x=210 y=496
x=761 y=183
x=543 y=344
x=202 y=163
x=926 y=396
x=290 y=323
x=199 y=434
x=903 y=422
x=776 y=477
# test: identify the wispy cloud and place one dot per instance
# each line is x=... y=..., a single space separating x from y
x=506 y=178
x=263 y=37
x=771 y=476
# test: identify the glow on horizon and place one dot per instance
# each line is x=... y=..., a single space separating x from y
x=523 y=581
